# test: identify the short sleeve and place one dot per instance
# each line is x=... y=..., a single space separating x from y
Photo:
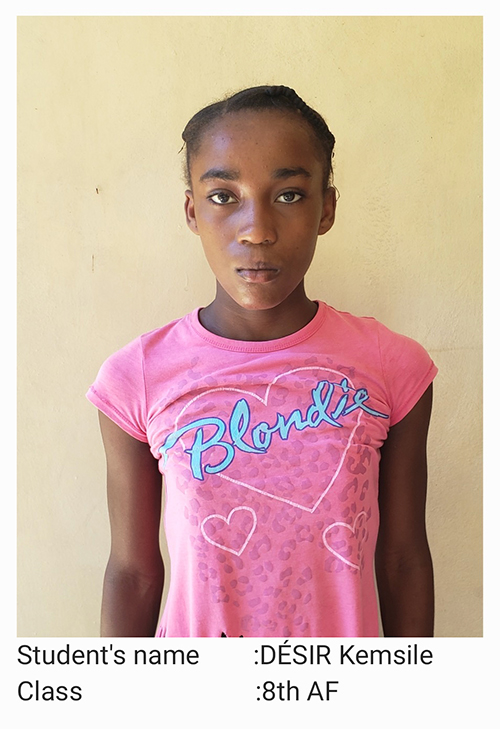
x=119 y=390
x=408 y=371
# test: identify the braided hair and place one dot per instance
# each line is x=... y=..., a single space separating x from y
x=258 y=98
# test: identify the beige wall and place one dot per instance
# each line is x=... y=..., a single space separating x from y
x=104 y=253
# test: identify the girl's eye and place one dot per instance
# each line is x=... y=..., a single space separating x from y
x=221 y=198
x=289 y=197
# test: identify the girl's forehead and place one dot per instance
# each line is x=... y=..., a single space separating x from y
x=264 y=134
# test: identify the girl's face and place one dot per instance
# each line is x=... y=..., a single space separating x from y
x=257 y=202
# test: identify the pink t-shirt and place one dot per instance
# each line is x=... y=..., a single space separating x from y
x=270 y=455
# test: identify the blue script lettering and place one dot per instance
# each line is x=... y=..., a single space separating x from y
x=206 y=438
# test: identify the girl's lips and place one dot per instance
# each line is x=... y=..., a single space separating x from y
x=258 y=275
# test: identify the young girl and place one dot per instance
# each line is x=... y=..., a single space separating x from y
x=291 y=436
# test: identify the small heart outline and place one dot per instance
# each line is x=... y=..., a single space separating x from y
x=227 y=521
x=352 y=529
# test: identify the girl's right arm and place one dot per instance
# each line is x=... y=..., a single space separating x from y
x=133 y=583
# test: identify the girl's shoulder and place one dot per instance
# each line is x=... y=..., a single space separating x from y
x=120 y=389
x=154 y=342
x=402 y=364
x=368 y=326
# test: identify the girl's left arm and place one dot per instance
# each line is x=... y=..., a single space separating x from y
x=403 y=561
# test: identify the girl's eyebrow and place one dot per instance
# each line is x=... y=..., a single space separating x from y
x=218 y=173
x=284 y=172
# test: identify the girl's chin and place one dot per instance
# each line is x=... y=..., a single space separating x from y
x=258 y=303
x=258 y=297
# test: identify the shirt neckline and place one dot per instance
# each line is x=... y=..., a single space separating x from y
x=270 y=345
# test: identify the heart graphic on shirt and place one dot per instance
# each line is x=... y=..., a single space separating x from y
x=305 y=453
x=232 y=533
x=344 y=540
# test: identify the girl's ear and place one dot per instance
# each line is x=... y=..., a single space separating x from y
x=329 y=206
x=190 y=212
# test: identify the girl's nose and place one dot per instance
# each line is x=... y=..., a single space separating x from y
x=257 y=225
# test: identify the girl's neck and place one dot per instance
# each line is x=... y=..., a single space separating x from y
x=225 y=318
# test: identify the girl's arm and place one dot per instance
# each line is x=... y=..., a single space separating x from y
x=403 y=561
x=133 y=582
